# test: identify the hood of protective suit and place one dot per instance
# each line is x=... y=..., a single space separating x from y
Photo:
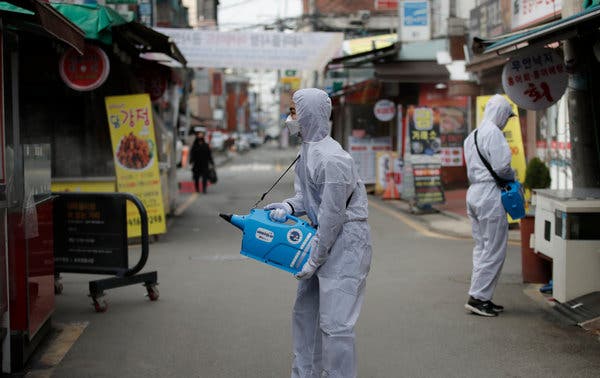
x=497 y=111
x=313 y=108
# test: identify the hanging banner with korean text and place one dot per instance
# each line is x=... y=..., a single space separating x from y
x=424 y=133
x=256 y=50
x=136 y=159
x=535 y=80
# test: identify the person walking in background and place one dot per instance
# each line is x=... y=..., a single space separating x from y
x=484 y=204
x=200 y=159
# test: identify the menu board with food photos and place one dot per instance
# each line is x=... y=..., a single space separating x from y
x=136 y=160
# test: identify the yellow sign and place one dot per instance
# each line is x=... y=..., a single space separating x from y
x=361 y=45
x=512 y=133
x=136 y=159
x=291 y=83
x=84 y=186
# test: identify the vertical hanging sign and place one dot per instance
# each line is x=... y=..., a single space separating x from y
x=136 y=160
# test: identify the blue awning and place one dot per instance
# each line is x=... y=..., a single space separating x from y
x=584 y=22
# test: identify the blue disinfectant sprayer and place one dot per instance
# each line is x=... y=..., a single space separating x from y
x=282 y=245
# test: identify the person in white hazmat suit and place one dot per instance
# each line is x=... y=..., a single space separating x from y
x=484 y=206
x=332 y=283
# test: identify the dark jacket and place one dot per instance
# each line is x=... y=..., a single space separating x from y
x=200 y=156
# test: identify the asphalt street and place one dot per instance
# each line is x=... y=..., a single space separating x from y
x=222 y=315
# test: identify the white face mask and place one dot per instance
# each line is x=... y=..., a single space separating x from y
x=292 y=125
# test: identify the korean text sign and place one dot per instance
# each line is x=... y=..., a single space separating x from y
x=535 y=80
x=136 y=160
x=256 y=50
x=428 y=183
x=424 y=133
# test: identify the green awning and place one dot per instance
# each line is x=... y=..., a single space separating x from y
x=95 y=20
x=8 y=7
x=104 y=24
x=584 y=22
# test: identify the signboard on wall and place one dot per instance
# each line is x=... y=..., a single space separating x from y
x=363 y=151
x=383 y=5
x=424 y=134
x=535 y=80
x=415 y=22
x=384 y=110
x=490 y=19
x=84 y=72
x=526 y=13
x=136 y=159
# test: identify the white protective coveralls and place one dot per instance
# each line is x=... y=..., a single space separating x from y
x=484 y=205
x=328 y=303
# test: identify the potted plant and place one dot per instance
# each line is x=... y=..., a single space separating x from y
x=535 y=269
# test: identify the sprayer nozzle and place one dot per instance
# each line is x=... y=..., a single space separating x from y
x=227 y=217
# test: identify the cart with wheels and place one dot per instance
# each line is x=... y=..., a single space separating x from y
x=91 y=237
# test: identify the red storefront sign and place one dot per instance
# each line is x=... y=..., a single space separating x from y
x=382 y=5
x=84 y=72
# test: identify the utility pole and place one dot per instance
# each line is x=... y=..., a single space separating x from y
x=583 y=123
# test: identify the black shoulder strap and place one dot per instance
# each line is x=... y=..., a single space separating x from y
x=276 y=182
x=498 y=180
x=349 y=198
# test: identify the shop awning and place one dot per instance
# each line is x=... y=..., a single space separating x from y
x=413 y=71
x=360 y=59
x=35 y=13
x=584 y=22
x=416 y=62
x=95 y=20
x=8 y=7
x=103 y=24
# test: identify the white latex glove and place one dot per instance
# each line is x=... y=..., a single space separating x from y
x=308 y=270
x=279 y=211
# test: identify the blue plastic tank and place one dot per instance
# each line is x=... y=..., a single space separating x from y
x=283 y=245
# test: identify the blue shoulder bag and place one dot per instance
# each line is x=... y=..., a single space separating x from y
x=511 y=191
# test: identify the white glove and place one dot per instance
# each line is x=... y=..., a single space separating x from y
x=279 y=211
x=308 y=270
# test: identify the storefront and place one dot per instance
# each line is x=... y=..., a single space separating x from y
x=26 y=219
x=546 y=132
x=372 y=115
x=129 y=59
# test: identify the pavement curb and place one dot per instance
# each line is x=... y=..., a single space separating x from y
x=426 y=220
